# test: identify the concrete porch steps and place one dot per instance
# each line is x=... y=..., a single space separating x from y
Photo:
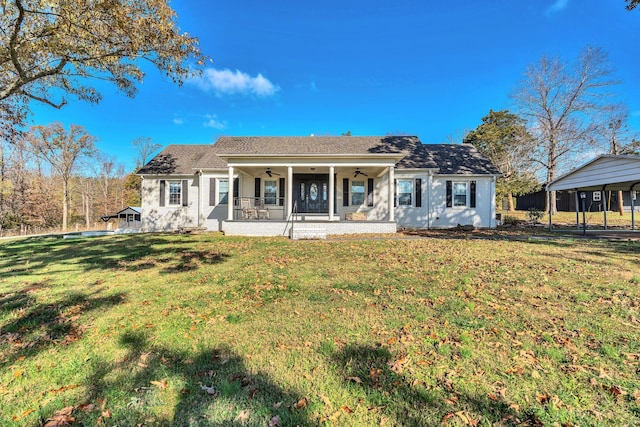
x=302 y=231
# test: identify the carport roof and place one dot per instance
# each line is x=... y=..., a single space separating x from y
x=606 y=172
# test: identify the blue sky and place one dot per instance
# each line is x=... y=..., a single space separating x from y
x=431 y=69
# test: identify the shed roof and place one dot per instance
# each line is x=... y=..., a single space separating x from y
x=608 y=172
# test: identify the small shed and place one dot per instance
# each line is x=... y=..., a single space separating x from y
x=128 y=218
x=604 y=173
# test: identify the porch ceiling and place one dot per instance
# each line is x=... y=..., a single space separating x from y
x=281 y=171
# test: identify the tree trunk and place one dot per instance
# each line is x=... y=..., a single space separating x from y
x=510 y=204
x=65 y=202
x=620 y=203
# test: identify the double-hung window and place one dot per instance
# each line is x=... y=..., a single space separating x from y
x=460 y=194
x=405 y=192
x=175 y=192
x=357 y=193
x=223 y=191
x=270 y=192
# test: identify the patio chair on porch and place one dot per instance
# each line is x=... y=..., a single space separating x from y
x=248 y=211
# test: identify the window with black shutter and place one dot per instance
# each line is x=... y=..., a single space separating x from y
x=281 y=191
x=449 y=194
x=369 y=191
x=418 y=193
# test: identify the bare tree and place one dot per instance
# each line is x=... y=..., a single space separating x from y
x=144 y=147
x=559 y=100
x=616 y=136
x=61 y=150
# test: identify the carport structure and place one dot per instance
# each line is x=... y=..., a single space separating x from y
x=604 y=173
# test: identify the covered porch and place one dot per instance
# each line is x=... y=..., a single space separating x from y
x=311 y=196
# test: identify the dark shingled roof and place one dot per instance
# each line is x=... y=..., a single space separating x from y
x=446 y=158
x=455 y=159
x=182 y=159
x=315 y=144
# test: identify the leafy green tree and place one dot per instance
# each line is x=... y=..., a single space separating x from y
x=503 y=138
x=52 y=49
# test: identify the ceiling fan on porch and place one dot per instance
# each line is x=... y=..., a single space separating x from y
x=358 y=172
x=270 y=172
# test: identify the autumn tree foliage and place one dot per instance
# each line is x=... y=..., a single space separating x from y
x=50 y=50
x=503 y=138
x=62 y=150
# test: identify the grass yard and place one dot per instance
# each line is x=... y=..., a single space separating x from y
x=222 y=331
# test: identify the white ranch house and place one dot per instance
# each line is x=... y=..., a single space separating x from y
x=317 y=186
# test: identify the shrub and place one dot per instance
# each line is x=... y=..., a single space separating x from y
x=510 y=220
x=535 y=215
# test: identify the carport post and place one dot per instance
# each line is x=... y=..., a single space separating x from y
x=606 y=206
x=550 y=220
x=632 y=196
x=577 y=210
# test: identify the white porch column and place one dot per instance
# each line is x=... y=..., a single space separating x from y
x=289 y=192
x=331 y=191
x=230 y=200
x=392 y=193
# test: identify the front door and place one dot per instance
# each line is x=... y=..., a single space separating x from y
x=311 y=192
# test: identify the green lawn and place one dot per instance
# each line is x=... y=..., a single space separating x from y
x=220 y=331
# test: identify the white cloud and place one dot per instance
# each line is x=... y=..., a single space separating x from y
x=212 y=122
x=227 y=82
x=557 y=6
x=178 y=121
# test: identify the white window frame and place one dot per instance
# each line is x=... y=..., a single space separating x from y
x=352 y=184
x=466 y=194
x=411 y=192
x=220 y=193
x=175 y=194
x=275 y=194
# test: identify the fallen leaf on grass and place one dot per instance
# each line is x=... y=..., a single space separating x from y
x=277 y=405
x=61 y=418
x=243 y=416
x=346 y=409
x=162 y=385
x=211 y=391
x=301 y=403
x=355 y=379
x=24 y=414
x=87 y=407
x=274 y=421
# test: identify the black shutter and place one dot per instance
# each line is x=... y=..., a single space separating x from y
x=236 y=191
x=185 y=192
x=256 y=191
x=370 y=192
x=472 y=198
x=395 y=193
x=212 y=191
x=281 y=191
x=418 y=193
x=162 y=191
x=345 y=192
x=449 y=194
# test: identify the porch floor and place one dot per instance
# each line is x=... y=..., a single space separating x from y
x=307 y=226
